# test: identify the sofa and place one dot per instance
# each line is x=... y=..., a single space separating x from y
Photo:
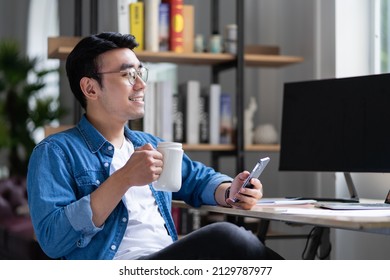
x=17 y=239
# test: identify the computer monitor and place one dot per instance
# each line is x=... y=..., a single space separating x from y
x=336 y=125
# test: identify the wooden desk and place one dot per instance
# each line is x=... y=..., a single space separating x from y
x=380 y=224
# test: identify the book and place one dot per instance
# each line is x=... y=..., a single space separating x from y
x=190 y=93
x=161 y=87
x=151 y=26
x=149 y=120
x=163 y=25
x=226 y=119
x=189 y=29
x=179 y=112
x=204 y=130
x=214 y=113
x=137 y=23
x=176 y=25
x=124 y=15
x=190 y=220
x=185 y=221
x=191 y=89
x=164 y=111
x=195 y=215
x=176 y=216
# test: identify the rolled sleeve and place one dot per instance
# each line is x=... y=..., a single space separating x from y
x=61 y=221
x=79 y=215
x=208 y=196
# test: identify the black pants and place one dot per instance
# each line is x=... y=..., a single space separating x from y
x=218 y=241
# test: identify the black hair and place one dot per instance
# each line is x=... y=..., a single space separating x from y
x=83 y=59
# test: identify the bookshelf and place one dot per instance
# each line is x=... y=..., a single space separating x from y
x=60 y=47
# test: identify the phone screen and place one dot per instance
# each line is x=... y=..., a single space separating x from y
x=256 y=172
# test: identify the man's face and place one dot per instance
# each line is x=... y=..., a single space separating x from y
x=118 y=98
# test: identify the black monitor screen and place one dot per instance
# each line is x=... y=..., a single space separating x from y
x=340 y=125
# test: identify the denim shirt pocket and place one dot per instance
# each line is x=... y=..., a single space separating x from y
x=88 y=181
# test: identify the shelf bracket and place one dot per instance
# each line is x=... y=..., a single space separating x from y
x=240 y=85
x=214 y=17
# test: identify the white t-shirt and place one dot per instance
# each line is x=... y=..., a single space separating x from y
x=145 y=233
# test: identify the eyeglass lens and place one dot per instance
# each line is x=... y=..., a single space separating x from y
x=142 y=73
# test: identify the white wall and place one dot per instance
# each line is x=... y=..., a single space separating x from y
x=13 y=20
x=333 y=37
x=354 y=56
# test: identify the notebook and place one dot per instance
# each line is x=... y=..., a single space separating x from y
x=353 y=206
x=356 y=206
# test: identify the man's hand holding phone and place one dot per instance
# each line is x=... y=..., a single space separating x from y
x=246 y=189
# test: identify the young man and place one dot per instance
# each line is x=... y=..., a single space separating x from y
x=89 y=188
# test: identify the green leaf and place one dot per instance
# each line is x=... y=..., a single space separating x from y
x=22 y=110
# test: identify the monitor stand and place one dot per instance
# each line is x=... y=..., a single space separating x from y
x=351 y=189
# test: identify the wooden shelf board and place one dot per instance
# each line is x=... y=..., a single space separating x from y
x=189 y=147
x=61 y=53
x=270 y=60
x=185 y=58
x=208 y=147
x=60 y=47
x=263 y=147
x=249 y=148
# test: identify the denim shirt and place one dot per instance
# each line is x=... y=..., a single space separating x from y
x=66 y=167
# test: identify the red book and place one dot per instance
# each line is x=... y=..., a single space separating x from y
x=176 y=218
x=176 y=42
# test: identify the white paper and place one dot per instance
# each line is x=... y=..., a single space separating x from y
x=339 y=213
x=284 y=201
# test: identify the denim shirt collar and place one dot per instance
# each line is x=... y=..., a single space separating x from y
x=95 y=140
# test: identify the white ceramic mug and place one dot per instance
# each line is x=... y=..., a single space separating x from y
x=170 y=178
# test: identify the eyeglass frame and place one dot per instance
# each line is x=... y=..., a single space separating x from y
x=137 y=71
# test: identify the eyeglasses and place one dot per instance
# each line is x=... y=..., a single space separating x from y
x=132 y=74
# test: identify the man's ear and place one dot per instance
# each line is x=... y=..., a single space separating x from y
x=88 y=87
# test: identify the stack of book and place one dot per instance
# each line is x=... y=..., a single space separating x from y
x=186 y=113
x=158 y=25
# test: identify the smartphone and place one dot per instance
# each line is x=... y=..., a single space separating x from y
x=256 y=172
